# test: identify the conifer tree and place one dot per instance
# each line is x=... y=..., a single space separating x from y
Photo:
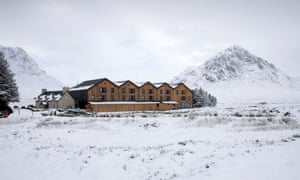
x=202 y=98
x=8 y=87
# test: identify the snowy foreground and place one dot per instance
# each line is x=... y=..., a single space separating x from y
x=245 y=142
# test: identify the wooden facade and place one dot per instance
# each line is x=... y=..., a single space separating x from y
x=128 y=91
x=147 y=92
x=103 y=95
x=183 y=96
x=105 y=90
x=108 y=96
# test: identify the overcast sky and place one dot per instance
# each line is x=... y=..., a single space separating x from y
x=147 y=39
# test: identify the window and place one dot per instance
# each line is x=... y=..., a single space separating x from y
x=131 y=91
x=102 y=98
x=143 y=98
x=183 y=92
x=176 y=91
x=161 y=91
x=131 y=98
x=123 y=90
x=143 y=91
x=112 y=97
x=123 y=98
x=182 y=98
x=168 y=98
x=168 y=91
x=150 y=98
x=102 y=90
x=112 y=90
x=150 y=91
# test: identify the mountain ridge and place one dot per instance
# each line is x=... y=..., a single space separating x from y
x=236 y=69
x=30 y=78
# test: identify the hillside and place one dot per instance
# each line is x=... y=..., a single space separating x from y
x=29 y=76
x=237 y=75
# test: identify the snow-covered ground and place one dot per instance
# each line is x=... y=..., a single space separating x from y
x=243 y=141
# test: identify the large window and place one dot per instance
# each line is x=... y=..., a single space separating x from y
x=168 y=91
x=112 y=90
x=182 y=98
x=102 y=90
x=183 y=92
x=150 y=91
x=131 y=98
x=131 y=90
x=103 y=98
x=168 y=98
x=151 y=98
x=123 y=90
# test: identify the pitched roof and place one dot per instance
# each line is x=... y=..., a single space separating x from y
x=50 y=95
x=89 y=82
x=85 y=85
x=121 y=83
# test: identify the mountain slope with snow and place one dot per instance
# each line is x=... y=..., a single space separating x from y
x=29 y=77
x=237 y=75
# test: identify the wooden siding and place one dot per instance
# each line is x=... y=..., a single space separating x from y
x=104 y=91
x=178 y=97
x=147 y=92
x=128 y=92
x=164 y=93
x=132 y=107
x=183 y=96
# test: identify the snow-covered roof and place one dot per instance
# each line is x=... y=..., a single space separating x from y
x=158 y=84
x=51 y=96
x=173 y=85
x=139 y=84
x=88 y=83
x=119 y=83
x=81 y=88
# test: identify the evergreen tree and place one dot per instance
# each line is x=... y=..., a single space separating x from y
x=8 y=87
x=202 y=98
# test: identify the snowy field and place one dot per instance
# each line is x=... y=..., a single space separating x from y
x=244 y=142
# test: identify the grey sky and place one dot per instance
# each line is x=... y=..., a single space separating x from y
x=147 y=40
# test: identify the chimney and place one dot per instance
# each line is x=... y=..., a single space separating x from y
x=65 y=89
x=44 y=90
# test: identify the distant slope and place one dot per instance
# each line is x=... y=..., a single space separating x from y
x=29 y=77
x=236 y=75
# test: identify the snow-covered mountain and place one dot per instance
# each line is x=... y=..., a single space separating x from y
x=236 y=74
x=29 y=77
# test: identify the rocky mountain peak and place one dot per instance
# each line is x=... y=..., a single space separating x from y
x=20 y=62
x=233 y=63
x=29 y=76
